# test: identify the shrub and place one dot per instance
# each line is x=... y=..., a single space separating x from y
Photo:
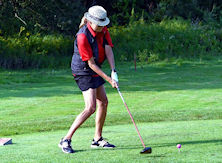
x=55 y=16
x=170 y=38
x=35 y=51
x=152 y=42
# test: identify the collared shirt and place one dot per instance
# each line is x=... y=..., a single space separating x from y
x=84 y=47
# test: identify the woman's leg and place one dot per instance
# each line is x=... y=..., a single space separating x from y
x=102 y=103
x=90 y=107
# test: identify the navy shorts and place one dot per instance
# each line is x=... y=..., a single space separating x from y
x=85 y=82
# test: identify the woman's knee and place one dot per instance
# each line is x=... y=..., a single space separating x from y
x=91 y=109
x=104 y=102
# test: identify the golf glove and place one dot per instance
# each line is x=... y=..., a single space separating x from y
x=114 y=75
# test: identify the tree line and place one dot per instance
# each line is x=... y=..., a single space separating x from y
x=63 y=16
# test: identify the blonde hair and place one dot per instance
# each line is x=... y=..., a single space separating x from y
x=83 y=22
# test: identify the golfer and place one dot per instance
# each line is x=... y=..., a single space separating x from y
x=91 y=47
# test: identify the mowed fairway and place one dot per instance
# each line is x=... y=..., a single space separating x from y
x=172 y=103
x=201 y=142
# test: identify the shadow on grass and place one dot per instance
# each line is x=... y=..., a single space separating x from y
x=77 y=151
x=149 y=78
x=140 y=148
x=172 y=144
x=124 y=148
x=189 y=142
x=172 y=77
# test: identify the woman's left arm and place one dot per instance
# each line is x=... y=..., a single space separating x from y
x=110 y=56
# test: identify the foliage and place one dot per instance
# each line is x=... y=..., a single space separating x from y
x=35 y=51
x=152 y=29
x=207 y=11
x=168 y=39
x=60 y=16
x=63 y=16
x=149 y=42
x=126 y=11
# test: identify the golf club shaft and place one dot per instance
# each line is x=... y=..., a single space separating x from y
x=131 y=117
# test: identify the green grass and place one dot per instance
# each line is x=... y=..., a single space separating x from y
x=46 y=100
x=172 y=102
x=201 y=142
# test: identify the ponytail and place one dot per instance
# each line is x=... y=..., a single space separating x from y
x=83 y=22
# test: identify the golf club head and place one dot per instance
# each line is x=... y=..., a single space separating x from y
x=146 y=150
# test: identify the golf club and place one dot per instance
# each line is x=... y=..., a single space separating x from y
x=146 y=149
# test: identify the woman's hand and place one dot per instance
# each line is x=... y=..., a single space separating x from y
x=113 y=83
x=114 y=75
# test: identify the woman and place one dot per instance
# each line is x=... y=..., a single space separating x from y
x=92 y=45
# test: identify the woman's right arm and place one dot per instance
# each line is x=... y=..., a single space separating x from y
x=96 y=69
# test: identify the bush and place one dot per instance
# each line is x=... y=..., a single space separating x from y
x=170 y=38
x=35 y=51
x=55 y=16
x=174 y=38
x=63 y=16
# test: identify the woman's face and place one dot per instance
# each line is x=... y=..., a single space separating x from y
x=95 y=27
